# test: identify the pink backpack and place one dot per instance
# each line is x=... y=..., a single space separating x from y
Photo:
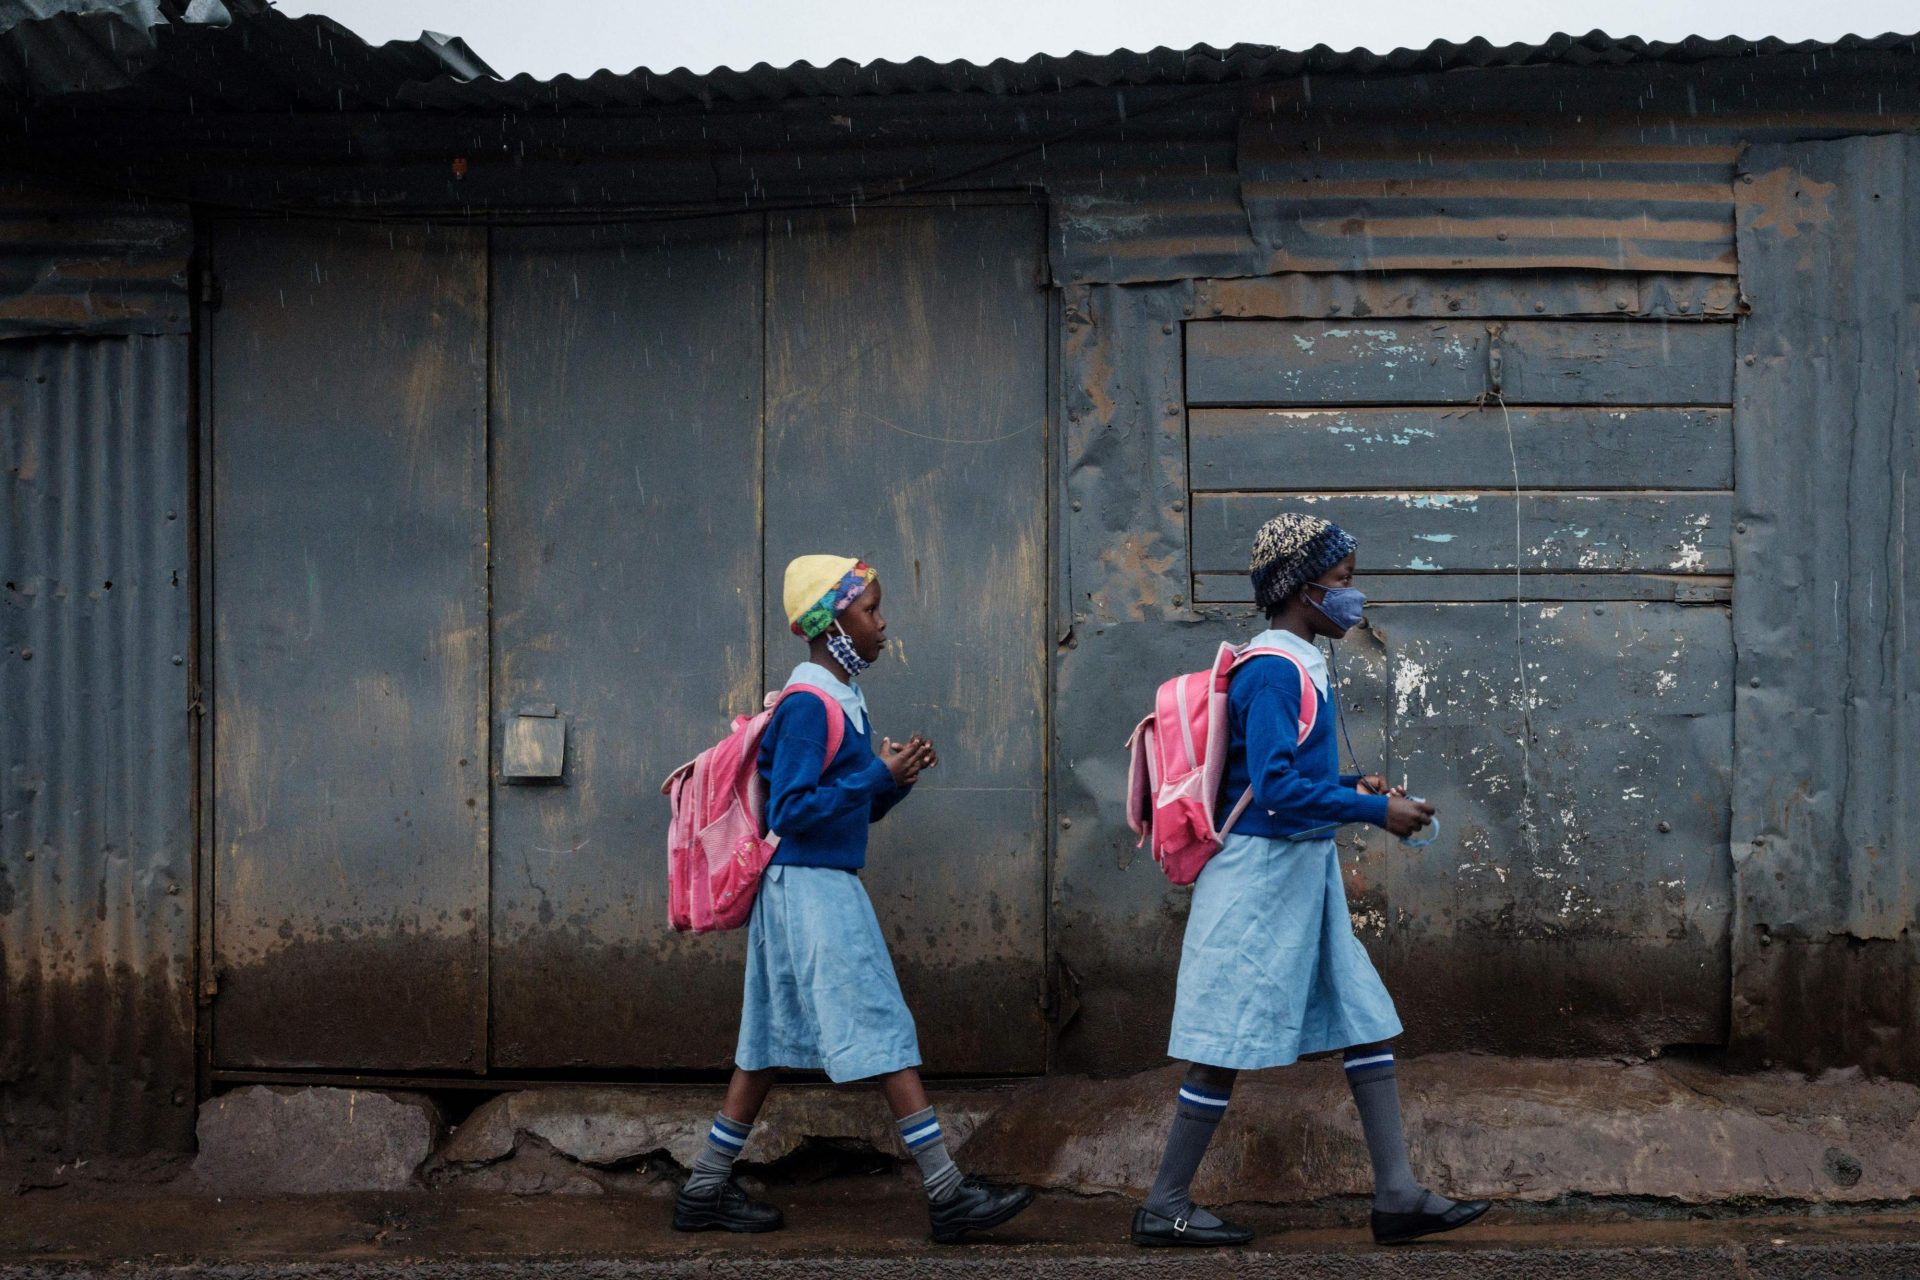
x=1180 y=755
x=717 y=846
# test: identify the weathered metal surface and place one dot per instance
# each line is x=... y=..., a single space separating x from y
x=907 y=423
x=1454 y=199
x=626 y=592
x=1557 y=914
x=1542 y=362
x=1127 y=489
x=1497 y=294
x=73 y=260
x=1478 y=532
x=96 y=836
x=1324 y=448
x=1581 y=899
x=349 y=655
x=1827 y=426
x=1384 y=585
x=1578 y=895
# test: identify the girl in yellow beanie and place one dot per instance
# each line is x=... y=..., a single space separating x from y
x=820 y=987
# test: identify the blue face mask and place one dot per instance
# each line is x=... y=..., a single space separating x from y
x=1341 y=605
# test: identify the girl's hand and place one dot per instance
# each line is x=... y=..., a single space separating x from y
x=1405 y=816
x=905 y=760
x=1373 y=785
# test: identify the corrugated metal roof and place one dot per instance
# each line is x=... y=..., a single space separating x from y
x=244 y=55
x=1199 y=65
x=213 y=55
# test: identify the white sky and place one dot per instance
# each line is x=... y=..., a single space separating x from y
x=547 y=37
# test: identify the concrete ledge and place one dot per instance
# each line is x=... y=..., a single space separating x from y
x=1501 y=1128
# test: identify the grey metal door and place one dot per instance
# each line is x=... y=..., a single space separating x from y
x=907 y=423
x=626 y=516
x=349 y=648
x=663 y=395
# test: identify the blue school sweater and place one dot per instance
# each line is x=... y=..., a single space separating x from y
x=822 y=817
x=1298 y=791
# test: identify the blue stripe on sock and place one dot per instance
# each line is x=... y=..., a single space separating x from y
x=730 y=1141
x=732 y=1126
x=926 y=1133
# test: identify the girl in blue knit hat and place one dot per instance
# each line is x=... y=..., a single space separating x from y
x=1270 y=969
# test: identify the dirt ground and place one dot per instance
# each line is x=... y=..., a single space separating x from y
x=853 y=1227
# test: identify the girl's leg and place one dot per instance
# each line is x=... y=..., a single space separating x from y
x=746 y=1094
x=1202 y=1102
x=1376 y=1092
x=921 y=1133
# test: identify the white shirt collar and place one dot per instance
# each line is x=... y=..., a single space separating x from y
x=849 y=696
x=1307 y=651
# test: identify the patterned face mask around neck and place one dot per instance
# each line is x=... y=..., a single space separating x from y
x=840 y=645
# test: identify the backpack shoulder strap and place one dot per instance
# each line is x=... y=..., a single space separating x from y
x=1309 y=696
x=836 y=718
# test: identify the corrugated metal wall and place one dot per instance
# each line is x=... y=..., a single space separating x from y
x=96 y=840
x=1826 y=819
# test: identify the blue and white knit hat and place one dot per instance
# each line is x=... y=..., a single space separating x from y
x=1291 y=550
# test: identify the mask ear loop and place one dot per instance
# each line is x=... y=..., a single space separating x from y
x=1340 y=716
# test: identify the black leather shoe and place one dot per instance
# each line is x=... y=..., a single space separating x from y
x=976 y=1206
x=1151 y=1231
x=725 y=1208
x=1398 y=1228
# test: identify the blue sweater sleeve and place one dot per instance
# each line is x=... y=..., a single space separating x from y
x=1272 y=724
x=799 y=794
x=884 y=802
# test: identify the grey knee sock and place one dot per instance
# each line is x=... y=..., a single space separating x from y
x=1376 y=1092
x=714 y=1164
x=1195 y=1117
x=927 y=1143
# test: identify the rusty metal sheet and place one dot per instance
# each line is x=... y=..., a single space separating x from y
x=1470 y=194
x=626 y=594
x=1557 y=915
x=1390 y=587
x=96 y=831
x=1126 y=451
x=1502 y=294
x=1283 y=362
x=1826 y=835
x=1577 y=899
x=1479 y=532
x=73 y=260
x=907 y=423
x=1115 y=929
x=350 y=609
x=1155 y=210
x=1324 y=448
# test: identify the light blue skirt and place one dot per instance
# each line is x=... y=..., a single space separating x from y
x=820 y=991
x=1270 y=969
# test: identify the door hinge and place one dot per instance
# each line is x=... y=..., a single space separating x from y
x=210 y=291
